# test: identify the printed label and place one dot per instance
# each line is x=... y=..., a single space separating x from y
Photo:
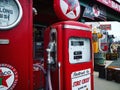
x=81 y=80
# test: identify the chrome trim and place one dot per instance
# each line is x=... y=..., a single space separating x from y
x=4 y=41
x=76 y=27
x=59 y=65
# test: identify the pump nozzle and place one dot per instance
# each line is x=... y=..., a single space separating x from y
x=51 y=53
x=35 y=11
x=48 y=51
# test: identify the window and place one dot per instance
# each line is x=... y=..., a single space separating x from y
x=38 y=33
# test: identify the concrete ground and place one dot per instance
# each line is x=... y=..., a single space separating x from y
x=103 y=84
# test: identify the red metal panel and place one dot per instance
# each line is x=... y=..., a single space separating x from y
x=18 y=53
x=74 y=67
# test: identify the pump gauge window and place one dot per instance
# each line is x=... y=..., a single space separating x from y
x=10 y=13
x=79 y=50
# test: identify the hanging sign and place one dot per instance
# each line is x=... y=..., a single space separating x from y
x=94 y=11
x=67 y=9
x=10 y=13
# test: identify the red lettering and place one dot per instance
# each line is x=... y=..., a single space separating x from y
x=85 y=80
x=76 y=83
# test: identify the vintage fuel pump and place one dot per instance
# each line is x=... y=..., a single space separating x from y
x=68 y=56
x=16 y=63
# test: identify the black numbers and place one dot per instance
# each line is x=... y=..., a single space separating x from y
x=77 y=55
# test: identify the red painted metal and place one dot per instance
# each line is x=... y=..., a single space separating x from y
x=18 y=53
x=38 y=76
x=63 y=35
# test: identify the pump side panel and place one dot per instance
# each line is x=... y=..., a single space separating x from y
x=18 y=53
x=56 y=74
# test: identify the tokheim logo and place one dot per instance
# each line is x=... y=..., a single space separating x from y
x=67 y=9
x=8 y=77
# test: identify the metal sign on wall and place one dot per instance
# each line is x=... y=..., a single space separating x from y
x=94 y=11
x=10 y=14
x=105 y=26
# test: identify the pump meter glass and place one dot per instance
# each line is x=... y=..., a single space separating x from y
x=10 y=13
x=79 y=50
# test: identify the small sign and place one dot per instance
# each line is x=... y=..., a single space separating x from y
x=8 y=77
x=81 y=80
x=94 y=11
x=10 y=13
x=105 y=26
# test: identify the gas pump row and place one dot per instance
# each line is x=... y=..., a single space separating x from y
x=58 y=57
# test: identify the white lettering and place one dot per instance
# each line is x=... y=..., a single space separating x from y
x=109 y=1
x=119 y=7
x=115 y=6
x=105 y=1
x=112 y=4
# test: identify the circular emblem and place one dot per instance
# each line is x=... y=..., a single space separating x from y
x=8 y=77
x=10 y=13
x=96 y=11
x=67 y=9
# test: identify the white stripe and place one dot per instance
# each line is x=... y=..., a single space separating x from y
x=4 y=41
x=76 y=27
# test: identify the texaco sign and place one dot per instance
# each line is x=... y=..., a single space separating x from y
x=67 y=9
x=8 y=77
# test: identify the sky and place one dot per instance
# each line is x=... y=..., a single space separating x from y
x=118 y=1
x=115 y=29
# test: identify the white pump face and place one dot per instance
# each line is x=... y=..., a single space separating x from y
x=79 y=50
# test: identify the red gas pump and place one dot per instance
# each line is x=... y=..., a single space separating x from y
x=69 y=56
x=16 y=63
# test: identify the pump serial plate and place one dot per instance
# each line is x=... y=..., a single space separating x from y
x=81 y=80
